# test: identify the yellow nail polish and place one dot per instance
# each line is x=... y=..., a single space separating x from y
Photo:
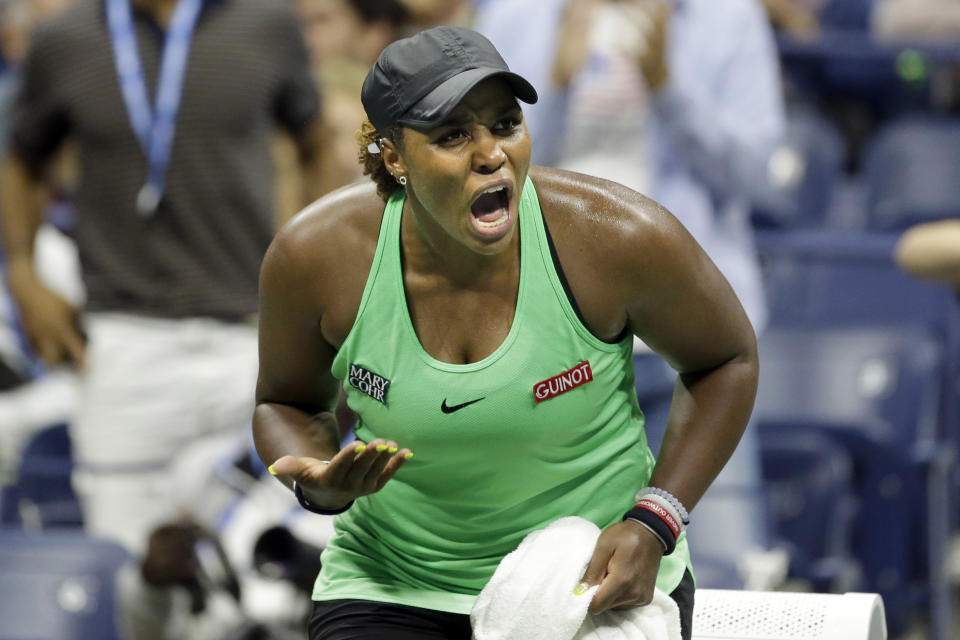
x=381 y=447
x=272 y=471
x=581 y=589
x=359 y=448
x=408 y=455
x=393 y=449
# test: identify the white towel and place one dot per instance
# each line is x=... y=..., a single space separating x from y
x=530 y=596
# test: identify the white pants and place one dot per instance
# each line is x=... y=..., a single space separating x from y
x=152 y=387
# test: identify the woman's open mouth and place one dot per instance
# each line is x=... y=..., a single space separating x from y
x=491 y=210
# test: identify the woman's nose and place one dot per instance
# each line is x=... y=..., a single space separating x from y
x=488 y=155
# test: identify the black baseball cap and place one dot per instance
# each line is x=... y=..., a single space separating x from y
x=418 y=81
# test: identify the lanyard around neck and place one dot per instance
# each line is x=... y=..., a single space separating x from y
x=154 y=127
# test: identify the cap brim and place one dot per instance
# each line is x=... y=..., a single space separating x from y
x=437 y=105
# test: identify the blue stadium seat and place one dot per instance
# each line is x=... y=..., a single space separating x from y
x=877 y=391
x=854 y=73
x=912 y=172
x=57 y=586
x=833 y=279
x=847 y=14
x=43 y=495
x=808 y=481
x=886 y=380
x=803 y=173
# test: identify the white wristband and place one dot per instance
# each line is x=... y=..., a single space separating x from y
x=677 y=505
x=666 y=504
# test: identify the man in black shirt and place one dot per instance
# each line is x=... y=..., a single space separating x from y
x=171 y=106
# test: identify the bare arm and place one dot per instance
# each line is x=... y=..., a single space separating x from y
x=689 y=314
x=49 y=320
x=630 y=263
x=662 y=286
x=22 y=194
x=296 y=393
x=295 y=425
x=931 y=251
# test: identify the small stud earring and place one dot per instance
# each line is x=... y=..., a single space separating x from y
x=402 y=180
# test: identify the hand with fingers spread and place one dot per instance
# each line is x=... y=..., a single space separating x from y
x=357 y=470
x=624 y=563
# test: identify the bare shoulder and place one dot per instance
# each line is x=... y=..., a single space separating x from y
x=331 y=228
x=323 y=254
x=610 y=243
x=630 y=265
x=606 y=220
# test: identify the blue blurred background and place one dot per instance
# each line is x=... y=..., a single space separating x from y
x=857 y=413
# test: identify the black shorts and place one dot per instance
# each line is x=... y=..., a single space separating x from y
x=369 y=620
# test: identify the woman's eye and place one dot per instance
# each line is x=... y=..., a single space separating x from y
x=452 y=136
x=507 y=125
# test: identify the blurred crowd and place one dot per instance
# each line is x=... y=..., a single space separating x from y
x=128 y=307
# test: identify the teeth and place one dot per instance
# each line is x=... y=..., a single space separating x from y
x=493 y=223
x=495 y=189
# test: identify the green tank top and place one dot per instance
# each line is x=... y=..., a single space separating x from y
x=546 y=426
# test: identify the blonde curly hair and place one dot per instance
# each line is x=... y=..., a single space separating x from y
x=372 y=163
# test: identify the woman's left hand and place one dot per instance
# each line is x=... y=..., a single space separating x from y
x=625 y=564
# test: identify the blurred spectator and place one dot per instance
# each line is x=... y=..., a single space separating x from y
x=932 y=251
x=17 y=18
x=343 y=113
x=796 y=19
x=14 y=24
x=430 y=13
x=339 y=83
x=357 y=30
x=170 y=238
x=917 y=20
x=812 y=6
x=30 y=398
x=238 y=564
x=692 y=88
x=34 y=397
x=342 y=36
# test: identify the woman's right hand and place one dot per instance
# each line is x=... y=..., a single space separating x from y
x=50 y=322
x=357 y=470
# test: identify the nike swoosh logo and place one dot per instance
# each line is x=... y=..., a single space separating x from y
x=448 y=409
